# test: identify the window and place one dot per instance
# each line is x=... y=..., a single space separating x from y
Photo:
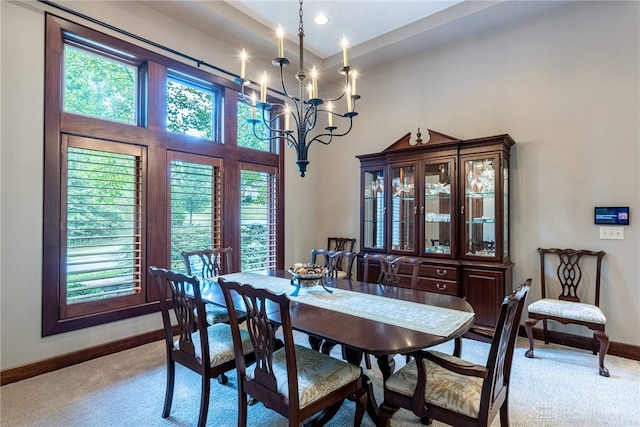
x=258 y=218
x=129 y=183
x=103 y=223
x=98 y=86
x=246 y=136
x=195 y=206
x=190 y=109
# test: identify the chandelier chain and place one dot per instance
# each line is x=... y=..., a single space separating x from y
x=300 y=27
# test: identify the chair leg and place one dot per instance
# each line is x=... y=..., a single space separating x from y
x=504 y=414
x=222 y=379
x=168 y=396
x=457 y=347
x=242 y=408
x=544 y=328
x=528 y=326
x=604 y=347
x=204 y=401
x=386 y=413
x=361 y=407
x=367 y=360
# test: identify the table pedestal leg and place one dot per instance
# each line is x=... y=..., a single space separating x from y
x=387 y=365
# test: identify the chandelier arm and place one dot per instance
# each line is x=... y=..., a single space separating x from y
x=348 y=130
x=310 y=117
x=284 y=87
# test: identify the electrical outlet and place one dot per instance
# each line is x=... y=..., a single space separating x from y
x=616 y=233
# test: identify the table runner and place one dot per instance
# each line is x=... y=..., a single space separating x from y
x=411 y=315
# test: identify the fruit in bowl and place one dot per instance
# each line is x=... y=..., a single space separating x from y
x=306 y=269
x=307 y=274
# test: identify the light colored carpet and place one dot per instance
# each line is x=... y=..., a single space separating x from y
x=560 y=387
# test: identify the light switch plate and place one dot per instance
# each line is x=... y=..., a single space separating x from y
x=616 y=233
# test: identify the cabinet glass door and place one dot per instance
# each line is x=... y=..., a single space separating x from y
x=373 y=207
x=403 y=208
x=438 y=207
x=480 y=207
x=505 y=189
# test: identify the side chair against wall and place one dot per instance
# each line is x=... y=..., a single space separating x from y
x=292 y=380
x=339 y=264
x=205 y=349
x=449 y=389
x=568 y=307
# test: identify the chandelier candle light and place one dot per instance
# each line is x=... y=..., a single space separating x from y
x=304 y=107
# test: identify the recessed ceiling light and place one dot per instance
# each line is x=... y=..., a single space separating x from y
x=321 y=19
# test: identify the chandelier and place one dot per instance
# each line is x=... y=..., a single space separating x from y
x=302 y=110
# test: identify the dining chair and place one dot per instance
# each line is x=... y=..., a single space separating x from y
x=339 y=264
x=454 y=391
x=210 y=263
x=295 y=381
x=566 y=268
x=389 y=269
x=345 y=244
x=205 y=349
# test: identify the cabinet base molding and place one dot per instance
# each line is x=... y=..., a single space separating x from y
x=628 y=351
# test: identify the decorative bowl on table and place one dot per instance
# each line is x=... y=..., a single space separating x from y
x=307 y=275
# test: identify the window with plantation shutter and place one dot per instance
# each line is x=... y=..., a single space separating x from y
x=104 y=225
x=144 y=157
x=195 y=205
x=258 y=217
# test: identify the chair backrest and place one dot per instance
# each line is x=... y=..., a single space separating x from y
x=341 y=243
x=389 y=267
x=334 y=260
x=570 y=271
x=208 y=262
x=189 y=310
x=494 y=389
x=259 y=304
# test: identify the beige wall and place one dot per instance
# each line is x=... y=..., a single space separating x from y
x=565 y=86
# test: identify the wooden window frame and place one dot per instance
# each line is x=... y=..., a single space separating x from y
x=149 y=133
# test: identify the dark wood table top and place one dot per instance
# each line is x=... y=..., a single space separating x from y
x=359 y=333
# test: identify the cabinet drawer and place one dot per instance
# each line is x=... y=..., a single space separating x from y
x=449 y=287
x=438 y=272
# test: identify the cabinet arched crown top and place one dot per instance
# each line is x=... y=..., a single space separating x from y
x=430 y=138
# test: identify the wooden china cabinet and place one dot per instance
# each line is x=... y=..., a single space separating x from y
x=445 y=200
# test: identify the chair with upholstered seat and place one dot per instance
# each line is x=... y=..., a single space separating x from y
x=344 y=244
x=210 y=263
x=388 y=268
x=205 y=349
x=449 y=389
x=569 y=267
x=335 y=262
x=295 y=381
x=385 y=269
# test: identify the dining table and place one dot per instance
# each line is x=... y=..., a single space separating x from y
x=380 y=320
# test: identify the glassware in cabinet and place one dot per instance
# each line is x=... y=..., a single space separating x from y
x=438 y=207
x=373 y=209
x=403 y=208
x=480 y=207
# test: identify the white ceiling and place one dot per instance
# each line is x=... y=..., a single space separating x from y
x=379 y=31
x=356 y=20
